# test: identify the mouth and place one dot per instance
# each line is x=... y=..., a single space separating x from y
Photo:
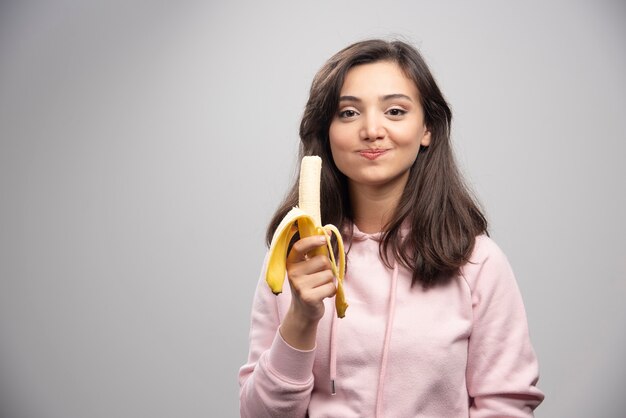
x=372 y=154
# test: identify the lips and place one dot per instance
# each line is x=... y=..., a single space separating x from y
x=372 y=154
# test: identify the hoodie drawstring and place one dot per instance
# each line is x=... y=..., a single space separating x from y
x=383 y=366
x=383 y=362
x=333 y=353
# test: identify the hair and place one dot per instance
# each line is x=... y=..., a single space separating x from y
x=442 y=215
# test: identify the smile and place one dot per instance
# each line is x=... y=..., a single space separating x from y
x=372 y=154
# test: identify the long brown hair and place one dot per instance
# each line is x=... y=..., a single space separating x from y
x=442 y=215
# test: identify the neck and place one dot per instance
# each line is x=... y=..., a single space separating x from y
x=373 y=207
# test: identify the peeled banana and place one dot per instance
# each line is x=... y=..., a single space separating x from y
x=306 y=219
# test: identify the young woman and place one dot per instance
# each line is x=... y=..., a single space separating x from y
x=436 y=326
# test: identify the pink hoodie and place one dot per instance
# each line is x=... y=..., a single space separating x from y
x=457 y=350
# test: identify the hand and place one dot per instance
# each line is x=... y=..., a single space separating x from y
x=311 y=280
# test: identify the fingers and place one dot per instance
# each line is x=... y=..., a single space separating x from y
x=301 y=284
x=311 y=277
x=303 y=246
x=309 y=291
x=318 y=293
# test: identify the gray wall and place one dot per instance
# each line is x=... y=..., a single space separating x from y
x=144 y=146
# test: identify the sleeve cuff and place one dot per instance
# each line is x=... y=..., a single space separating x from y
x=291 y=363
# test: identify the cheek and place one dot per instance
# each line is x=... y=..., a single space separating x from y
x=335 y=135
x=338 y=140
x=336 y=153
x=406 y=134
x=338 y=148
x=410 y=141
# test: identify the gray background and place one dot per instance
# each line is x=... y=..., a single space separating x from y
x=144 y=146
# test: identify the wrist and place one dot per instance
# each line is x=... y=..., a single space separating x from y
x=299 y=331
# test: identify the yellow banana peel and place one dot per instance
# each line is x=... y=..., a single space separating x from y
x=306 y=219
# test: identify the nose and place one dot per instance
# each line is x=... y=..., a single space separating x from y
x=372 y=128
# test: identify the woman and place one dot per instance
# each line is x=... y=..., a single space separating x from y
x=436 y=325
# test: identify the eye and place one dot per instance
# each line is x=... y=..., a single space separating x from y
x=347 y=114
x=396 y=111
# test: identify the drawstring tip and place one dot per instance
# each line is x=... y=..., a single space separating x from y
x=332 y=387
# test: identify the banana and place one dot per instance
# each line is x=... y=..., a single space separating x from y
x=306 y=219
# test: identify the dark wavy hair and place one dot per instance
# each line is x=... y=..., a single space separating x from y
x=442 y=215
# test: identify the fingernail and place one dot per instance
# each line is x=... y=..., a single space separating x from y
x=322 y=239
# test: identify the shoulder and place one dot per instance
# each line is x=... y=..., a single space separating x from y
x=485 y=248
x=487 y=264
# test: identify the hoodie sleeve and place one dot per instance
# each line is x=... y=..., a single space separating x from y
x=502 y=369
x=277 y=379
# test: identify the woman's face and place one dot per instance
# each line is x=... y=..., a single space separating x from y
x=379 y=126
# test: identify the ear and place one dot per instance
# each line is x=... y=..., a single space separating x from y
x=425 y=141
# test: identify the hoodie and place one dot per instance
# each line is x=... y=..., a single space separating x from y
x=456 y=350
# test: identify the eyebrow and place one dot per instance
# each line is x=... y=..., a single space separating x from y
x=382 y=98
